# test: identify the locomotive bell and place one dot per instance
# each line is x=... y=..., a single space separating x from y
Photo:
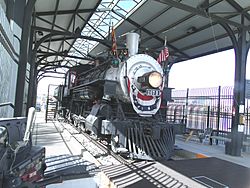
x=132 y=43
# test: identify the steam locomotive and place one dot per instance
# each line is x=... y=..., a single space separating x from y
x=120 y=100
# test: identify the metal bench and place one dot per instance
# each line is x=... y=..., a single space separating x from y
x=225 y=139
x=202 y=135
x=205 y=135
x=222 y=138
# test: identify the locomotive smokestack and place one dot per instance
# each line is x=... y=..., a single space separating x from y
x=132 y=43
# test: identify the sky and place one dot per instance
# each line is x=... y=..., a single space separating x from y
x=208 y=71
x=44 y=83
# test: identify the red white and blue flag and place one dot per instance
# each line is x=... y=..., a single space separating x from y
x=163 y=56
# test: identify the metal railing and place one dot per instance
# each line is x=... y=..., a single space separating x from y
x=206 y=108
x=7 y=104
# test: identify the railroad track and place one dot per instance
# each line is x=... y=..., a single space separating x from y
x=99 y=151
x=122 y=172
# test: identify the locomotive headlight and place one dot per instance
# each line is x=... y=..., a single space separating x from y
x=155 y=79
x=150 y=79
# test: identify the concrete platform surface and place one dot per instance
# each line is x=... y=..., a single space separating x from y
x=217 y=151
x=59 y=142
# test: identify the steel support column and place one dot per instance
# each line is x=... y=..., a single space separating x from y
x=241 y=50
x=239 y=92
x=34 y=64
x=23 y=59
x=10 y=9
x=34 y=93
x=32 y=79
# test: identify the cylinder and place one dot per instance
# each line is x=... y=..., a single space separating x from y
x=132 y=40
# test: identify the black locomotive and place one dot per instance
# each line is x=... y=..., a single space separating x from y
x=121 y=99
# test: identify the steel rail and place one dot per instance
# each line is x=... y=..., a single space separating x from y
x=101 y=146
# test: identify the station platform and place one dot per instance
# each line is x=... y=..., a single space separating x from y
x=58 y=142
x=194 y=149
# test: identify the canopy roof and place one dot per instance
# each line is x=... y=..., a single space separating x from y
x=80 y=28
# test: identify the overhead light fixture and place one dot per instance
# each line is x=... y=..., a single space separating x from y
x=191 y=29
x=204 y=5
x=78 y=31
x=40 y=33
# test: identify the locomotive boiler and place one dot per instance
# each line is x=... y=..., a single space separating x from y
x=121 y=99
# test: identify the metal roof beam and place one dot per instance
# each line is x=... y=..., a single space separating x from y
x=157 y=37
x=56 y=63
x=156 y=16
x=196 y=31
x=207 y=41
x=201 y=13
x=71 y=35
x=169 y=27
x=48 y=22
x=70 y=22
x=46 y=47
x=239 y=8
x=52 y=62
x=49 y=67
x=44 y=76
x=90 y=15
x=151 y=34
x=102 y=41
x=62 y=54
x=52 y=72
x=206 y=53
x=53 y=22
x=179 y=21
x=62 y=12
x=72 y=46
x=91 y=26
x=37 y=28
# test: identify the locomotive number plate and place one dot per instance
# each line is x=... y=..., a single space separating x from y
x=153 y=92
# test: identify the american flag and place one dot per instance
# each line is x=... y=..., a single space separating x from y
x=163 y=56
